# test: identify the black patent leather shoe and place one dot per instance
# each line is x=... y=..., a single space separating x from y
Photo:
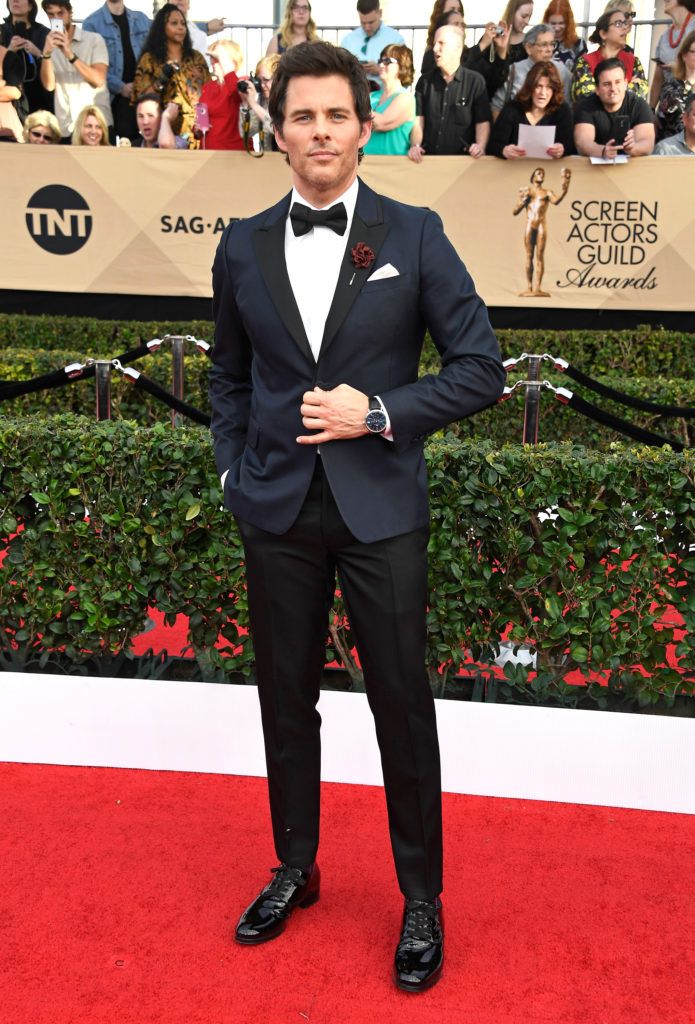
x=267 y=916
x=420 y=951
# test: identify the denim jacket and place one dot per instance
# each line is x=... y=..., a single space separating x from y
x=102 y=22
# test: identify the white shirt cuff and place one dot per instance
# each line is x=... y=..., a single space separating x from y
x=388 y=433
x=223 y=478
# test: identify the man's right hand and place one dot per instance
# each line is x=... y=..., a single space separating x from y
x=416 y=153
x=54 y=41
x=127 y=90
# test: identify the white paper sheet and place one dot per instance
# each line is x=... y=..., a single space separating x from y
x=536 y=139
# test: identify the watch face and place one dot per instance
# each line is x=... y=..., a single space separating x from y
x=375 y=421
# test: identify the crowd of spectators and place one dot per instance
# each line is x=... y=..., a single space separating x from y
x=123 y=78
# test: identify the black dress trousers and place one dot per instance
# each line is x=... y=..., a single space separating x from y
x=291 y=580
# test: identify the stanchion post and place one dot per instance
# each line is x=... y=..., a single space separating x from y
x=532 y=404
x=102 y=388
x=177 y=375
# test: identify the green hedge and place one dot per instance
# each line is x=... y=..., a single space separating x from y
x=586 y=586
x=501 y=424
x=635 y=353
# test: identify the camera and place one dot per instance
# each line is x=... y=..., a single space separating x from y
x=499 y=31
x=255 y=81
x=165 y=76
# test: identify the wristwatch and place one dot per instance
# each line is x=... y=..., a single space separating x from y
x=71 y=60
x=375 y=421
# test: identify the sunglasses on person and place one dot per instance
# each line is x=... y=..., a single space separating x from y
x=36 y=134
x=387 y=60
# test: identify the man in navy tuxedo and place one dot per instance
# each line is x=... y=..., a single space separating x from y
x=318 y=418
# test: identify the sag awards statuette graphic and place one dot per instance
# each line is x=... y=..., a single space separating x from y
x=59 y=219
x=535 y=199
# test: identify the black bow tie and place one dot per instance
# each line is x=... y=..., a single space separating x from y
x=304 y=219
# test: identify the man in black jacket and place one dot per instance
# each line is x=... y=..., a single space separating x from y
x=318 y=418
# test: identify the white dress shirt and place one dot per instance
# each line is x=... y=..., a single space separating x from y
x=313 y=265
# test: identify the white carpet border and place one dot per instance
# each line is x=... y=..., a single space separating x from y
x=586 y=757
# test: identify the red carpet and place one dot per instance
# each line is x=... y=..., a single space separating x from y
x=120 y=889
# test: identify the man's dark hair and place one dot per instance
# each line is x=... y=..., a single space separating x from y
x=689 y=100
x=156 y=42
x=149 y=97
x=608 y=65
x=56 y=3
x=368 y=6
x=31 y=15
x=318 y=60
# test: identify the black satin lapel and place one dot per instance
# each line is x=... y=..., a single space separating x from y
x=351 y=280
x=269 y=246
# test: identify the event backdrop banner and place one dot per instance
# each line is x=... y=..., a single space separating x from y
x=561 y=233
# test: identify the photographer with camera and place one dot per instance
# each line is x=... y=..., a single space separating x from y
x=22 y=36
x=170 y=67
x=255 y=119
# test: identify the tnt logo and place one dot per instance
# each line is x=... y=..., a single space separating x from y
x=59 y=220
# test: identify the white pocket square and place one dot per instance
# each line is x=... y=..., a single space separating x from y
x=388 y=270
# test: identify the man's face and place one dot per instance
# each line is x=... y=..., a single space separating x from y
x=611 y=88
x=56 y=11
x=148 y=117
x=447 y=47
x=542 y=48
x=183 y=6
x=538 y=176
x=370 y=22
x=321 y=134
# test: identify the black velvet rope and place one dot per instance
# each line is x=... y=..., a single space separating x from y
x=54 y=379
x=58 y=378
x=593 y=412
x=157 y=391
x=685 y=412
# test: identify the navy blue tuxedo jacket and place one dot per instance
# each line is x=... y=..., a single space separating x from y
x=262 y=365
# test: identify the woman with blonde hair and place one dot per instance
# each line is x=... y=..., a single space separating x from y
x=90 y=128
x=297 y=27
x=569 y=45
x=517 y=13
x=255 y=118
x=42 y=129
x=222 y=98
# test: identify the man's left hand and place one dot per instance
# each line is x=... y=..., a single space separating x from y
x=338 y=414
x=629 y=142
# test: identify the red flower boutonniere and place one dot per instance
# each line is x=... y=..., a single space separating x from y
x=362 y=257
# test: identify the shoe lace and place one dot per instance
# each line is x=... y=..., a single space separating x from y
x=285 y=882
x=420 y=925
